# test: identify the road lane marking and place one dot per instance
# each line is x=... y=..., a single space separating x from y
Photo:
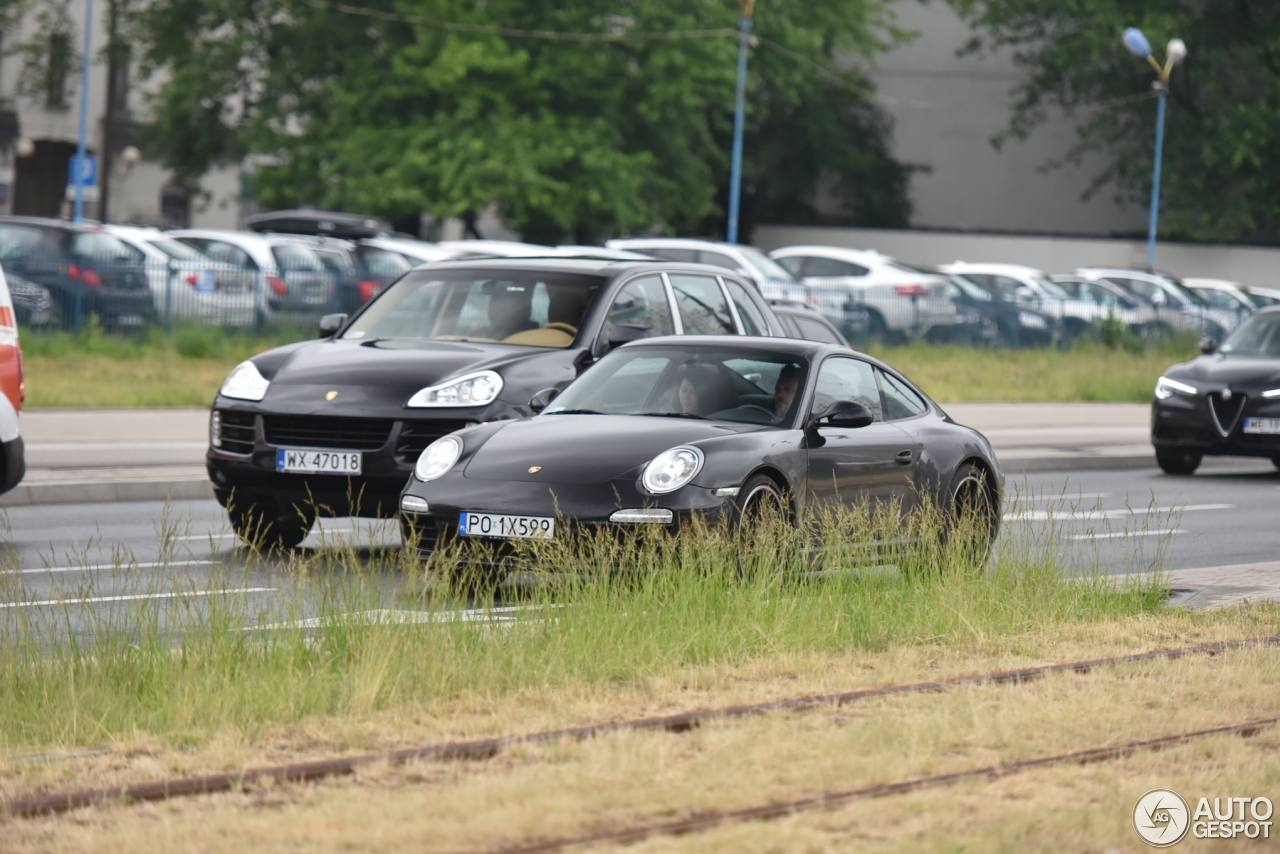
x=93 y=600
x=1065 y=496
x=1068 y=515
x=1118 y=534
x=97 y=566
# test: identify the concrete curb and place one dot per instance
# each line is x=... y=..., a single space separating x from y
x=107 y=491
x=25 y=495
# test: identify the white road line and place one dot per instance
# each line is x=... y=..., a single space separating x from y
x=1064 y=496
x=205 y=537
x=97 y=566
x=1068 y=515
x=1119 y=534
x=96 y=599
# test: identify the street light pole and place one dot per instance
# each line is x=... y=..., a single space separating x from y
x=84 y=111
x=1175 y=52
x=745 y=21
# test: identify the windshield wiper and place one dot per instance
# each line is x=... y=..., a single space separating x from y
x=575 y=412
x=677 y=415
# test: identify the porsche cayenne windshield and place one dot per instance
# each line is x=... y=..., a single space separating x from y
x=533 y=308
x=1258 y=336
x=742 y=385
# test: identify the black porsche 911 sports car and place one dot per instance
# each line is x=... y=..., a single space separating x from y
x=1224 y=402
x=334 y=426
x=668 y=427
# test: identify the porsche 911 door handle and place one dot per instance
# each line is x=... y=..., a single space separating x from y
x=904 y=458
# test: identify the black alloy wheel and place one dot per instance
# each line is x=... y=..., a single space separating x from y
x=972 y=524
x=269 y=528
x=1176 y=461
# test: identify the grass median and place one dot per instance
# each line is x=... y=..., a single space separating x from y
x=185 y=369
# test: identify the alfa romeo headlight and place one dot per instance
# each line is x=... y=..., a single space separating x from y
x=479 y=389
x=1031 y=321
x=1166 y=387
x=245 y=383
x=437 y=458
x=671 y=470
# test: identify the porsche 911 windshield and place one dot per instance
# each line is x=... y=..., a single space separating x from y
x=742 y=385
x=1257 y=336
x=531 y=308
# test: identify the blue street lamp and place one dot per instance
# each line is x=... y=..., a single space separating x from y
x=1175 y=52
x=746 y=8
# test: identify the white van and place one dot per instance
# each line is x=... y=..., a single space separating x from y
x=12 y=389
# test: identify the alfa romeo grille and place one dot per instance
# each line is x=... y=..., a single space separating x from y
x=1226 y=412
x=319 y=431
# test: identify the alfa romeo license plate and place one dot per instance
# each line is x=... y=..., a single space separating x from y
x=1262 y=425
x=507 y=527
x=299 y=461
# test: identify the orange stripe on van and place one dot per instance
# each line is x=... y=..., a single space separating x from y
x=11 y=375
x=6 y=316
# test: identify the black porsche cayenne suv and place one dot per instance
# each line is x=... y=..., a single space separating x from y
x=334 y=426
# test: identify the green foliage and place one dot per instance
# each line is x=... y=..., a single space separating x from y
x=1221 y=177
x=568 y=136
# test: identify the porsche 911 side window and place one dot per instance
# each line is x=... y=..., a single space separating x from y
x=841 y=378
x=703 y=309
x=899 y=400
x=642 y=302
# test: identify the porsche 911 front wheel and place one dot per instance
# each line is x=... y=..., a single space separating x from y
x=974 y=521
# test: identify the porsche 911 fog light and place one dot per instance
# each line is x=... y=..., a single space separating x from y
x=642 y=517
x=245 y=383
x=671 y=470
x=437 y=458
x=413 y=504
x=1166 y=388
x=479 y=389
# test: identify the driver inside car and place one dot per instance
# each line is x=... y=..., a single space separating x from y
x=566 y=307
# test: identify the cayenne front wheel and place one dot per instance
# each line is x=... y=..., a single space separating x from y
x=267 y=528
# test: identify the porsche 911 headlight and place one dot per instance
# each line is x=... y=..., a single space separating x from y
x=1166 y=387
x=479 y=389
x=1031 y=321
x=245 y=383
x=671 y=470
x=437 y=458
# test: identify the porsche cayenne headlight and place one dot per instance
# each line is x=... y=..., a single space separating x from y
x=479 y=389
x=1166 y=387
x=437 y=458
x=1031 y=321
x=671 y=470
x=245 y=383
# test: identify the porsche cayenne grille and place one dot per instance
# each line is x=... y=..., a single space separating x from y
x=416 y=435
x=318 y=431
x=237 y=431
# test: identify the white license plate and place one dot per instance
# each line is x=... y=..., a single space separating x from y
x=1262 y=425
x=318 y=462
x=507 y=527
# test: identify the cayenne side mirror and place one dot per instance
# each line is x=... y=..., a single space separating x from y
x=843 y=413
x=330 y=324
x=1208 y=344
x=542 y=399
x=626 y=333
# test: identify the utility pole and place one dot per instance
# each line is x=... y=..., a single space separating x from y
x=746 y=11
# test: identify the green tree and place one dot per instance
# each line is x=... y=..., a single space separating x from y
x=1221 y=176
x=570 y=137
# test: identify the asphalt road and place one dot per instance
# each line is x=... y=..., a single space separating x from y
x=103 y=557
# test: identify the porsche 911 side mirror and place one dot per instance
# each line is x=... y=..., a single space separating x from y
x=542 y=399
x=1208 y=344
x=625 y=333
x=330 y=324
x=843 y=413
